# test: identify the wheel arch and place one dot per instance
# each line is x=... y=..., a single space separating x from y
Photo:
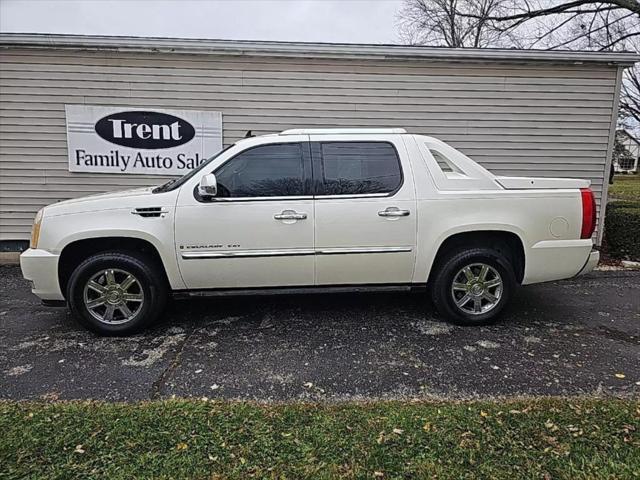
x=76 y=251
x=505 y=241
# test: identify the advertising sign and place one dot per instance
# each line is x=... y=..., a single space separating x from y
x=140 y=140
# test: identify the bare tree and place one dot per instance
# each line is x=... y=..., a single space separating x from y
x=577 y=24
x=630 y=97
x=453 y=23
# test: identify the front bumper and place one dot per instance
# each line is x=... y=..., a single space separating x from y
x=592 y=261
x=40 y=267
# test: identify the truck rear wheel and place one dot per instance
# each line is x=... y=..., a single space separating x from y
x=472 y=286
x=116 y=293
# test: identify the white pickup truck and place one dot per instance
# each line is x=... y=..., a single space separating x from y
x=313 y=210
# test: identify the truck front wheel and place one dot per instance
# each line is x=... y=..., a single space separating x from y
x=116 y=293
x=472 y=286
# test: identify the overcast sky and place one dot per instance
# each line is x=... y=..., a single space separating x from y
x=360 y=21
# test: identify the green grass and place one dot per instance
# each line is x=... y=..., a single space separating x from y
x=548 y=438
x=625 y=187
x=622 y=220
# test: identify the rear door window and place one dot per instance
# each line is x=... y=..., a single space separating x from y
x=357 y=168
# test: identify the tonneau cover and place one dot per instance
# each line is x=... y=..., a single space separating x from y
x=530 y=183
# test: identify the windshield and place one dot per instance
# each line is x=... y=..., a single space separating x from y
x=178 y=182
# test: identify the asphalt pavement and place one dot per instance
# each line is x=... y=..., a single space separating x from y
x=574 y=337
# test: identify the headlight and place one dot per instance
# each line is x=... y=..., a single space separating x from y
x=35 y=230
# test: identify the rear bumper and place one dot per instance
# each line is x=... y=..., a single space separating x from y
x=41 y=269
x=590 y=264
x=551 y=260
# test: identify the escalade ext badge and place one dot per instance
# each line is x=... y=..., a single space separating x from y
x=145 y=130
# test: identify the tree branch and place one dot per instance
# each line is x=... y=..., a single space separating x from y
x=630 y=5
x=620 y=39
x=587 y=33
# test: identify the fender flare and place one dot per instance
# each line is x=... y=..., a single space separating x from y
x=473 y=228
x=169 y=262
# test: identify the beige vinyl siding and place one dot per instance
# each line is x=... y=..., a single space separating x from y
x=539 y=119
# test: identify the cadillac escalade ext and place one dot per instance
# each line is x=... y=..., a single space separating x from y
x=313 y=210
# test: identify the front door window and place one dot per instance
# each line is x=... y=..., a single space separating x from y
x=266 y=171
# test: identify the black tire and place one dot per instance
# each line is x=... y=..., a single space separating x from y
x=151 y=286
x=448 y=270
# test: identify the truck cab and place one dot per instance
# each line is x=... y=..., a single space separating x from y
x=313 y=210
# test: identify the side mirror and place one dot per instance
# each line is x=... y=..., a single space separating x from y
x=208 y=186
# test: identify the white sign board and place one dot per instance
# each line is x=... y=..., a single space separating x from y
x=140 y=140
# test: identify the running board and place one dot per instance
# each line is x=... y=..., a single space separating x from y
x=233 y=292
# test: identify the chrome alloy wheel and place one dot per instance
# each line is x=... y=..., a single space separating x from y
x=477 y=288
x=113 y=296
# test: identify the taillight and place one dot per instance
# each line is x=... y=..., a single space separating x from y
x=588 y=213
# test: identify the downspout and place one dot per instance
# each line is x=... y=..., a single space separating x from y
x=609 y=158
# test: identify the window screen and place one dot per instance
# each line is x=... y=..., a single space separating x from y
x=264 y=171
x=350 y=168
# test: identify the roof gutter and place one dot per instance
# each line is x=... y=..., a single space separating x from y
x=305 y=49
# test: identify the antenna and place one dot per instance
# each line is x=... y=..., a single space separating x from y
x=249 y=134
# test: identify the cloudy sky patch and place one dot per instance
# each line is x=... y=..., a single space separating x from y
x=353 y=21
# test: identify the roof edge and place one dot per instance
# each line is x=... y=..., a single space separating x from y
x=298 y=49
x=629 y=134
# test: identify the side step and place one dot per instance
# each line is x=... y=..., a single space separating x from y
x=232 y=292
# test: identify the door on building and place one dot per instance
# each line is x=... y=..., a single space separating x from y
x=365 y=210
x=258 y=230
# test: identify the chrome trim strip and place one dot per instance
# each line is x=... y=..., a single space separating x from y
x=356 y=195
x=291 y=252
x=341 y=251
x=247 y=253
x=258 y=199
x=300 y=197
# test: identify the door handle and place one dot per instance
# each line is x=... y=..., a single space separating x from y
x=290 y=215
x=393 y=212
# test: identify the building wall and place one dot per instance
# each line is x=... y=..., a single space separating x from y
x=515 y=119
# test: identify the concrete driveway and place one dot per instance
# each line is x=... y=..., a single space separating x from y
x=575 y=337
